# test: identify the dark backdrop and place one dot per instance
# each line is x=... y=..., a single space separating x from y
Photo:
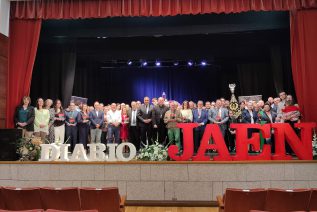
x=256 y=58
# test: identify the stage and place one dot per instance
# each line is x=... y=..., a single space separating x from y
x=163 y=181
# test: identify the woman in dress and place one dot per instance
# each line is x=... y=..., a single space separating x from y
x=41 y=121
x=124 y=126
x=83 y=125
x=48 y=105
x=59 y=122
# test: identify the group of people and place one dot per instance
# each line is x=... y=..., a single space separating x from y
x=145 y=123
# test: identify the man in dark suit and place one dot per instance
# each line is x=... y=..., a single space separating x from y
x=159 y=126
x=200 y=116
x=134 y=136
x=219 y=115
x=145 y=121
x=97 y=119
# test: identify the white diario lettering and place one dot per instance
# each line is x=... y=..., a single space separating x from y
x=53 y=152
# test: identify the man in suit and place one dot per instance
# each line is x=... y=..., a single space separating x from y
x=97 y=118
x=145 y=121
x=219 y=115
x=71 y=120
x=158 y=121
x=200 y=116
x=134 y=126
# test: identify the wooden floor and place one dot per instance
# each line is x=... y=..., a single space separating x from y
x=170 y=209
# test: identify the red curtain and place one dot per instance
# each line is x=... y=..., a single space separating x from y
x=304 y=60
x=70 y=9
x=24 y=36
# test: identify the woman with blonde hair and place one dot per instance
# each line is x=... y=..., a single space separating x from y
x=41 y=121
x=48 y=105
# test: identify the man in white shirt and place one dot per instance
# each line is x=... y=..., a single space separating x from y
x=114 y=120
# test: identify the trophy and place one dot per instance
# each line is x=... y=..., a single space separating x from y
x=234 y=105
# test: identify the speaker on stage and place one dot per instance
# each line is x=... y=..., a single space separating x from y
x=8 y=144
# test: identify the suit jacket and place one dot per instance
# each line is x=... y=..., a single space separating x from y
x=143 y=114
x=265 y=118
x=30 y=118
x=274 y=108
x=246 y=117
x=203 y=116
x=136 y=118
x=94 y=119
x=158 y=114
x=213 y=114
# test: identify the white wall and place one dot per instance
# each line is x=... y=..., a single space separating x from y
x=187 y=182
x=4 y=17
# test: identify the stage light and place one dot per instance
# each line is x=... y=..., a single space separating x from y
x=190 y=63
x=129 y=62
x=144 y=63
x=98 y=37
x=176 y=63
x=104 y=37
x=203 y=63
x=158 y=63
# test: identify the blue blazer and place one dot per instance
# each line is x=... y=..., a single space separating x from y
x=94 y=119
x=246 y=117
x=202 y=119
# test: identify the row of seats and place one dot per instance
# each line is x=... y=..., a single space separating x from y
x=270 y=200
x=65 y=199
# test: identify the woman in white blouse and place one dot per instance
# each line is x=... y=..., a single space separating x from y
x=186 y=112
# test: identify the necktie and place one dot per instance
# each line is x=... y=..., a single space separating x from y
x=147 y=109
x=133 y=118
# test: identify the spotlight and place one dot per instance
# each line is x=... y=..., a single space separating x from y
x=129 y=62
x=144 y=63
x=190 y=63
x=104 y=37
x=158 y=63
x=203 y=63
x=176 y=63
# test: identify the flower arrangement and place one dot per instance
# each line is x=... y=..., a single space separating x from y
x=154 y=152
x=314 y=145
x=29 y=149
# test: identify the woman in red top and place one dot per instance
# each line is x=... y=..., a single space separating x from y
x=124 y=125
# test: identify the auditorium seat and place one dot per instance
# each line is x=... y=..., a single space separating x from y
x=53 y=210
x=60 y=198
x=104 y=200
x=35 y=210
x=279 y=200
x=2 y=205
x=313 y=200
x=19 y=199
x=251 y=199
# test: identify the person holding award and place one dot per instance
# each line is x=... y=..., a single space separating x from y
x=59 y=122
x=171 y=118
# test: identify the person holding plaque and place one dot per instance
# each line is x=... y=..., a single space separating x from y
x=71 y=120
x=59 y=122
x=171 y=118
x=83 y=125
x=187 y=114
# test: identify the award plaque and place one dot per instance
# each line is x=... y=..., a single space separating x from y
x=234 y=105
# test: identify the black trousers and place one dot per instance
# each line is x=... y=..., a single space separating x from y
x=71 y=135
x=134 y=136
x=160 y=133
x=146 y=133
x=83 y=134
x=198 y=134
